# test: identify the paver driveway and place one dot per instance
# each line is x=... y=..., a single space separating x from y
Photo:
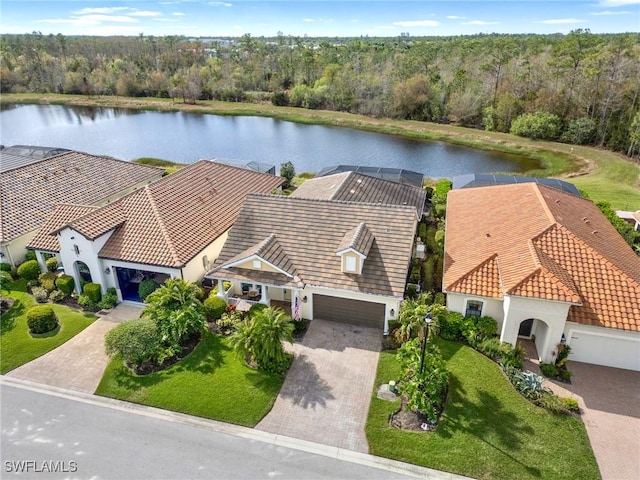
x=79 y=363
x=325 y=397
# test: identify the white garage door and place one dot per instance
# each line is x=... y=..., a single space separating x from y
x=608 y=350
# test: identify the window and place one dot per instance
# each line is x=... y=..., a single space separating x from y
x=474 y=309
x=257 y=264
x=76 y=249
x=350 y=263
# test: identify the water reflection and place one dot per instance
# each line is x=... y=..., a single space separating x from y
x=187 y=137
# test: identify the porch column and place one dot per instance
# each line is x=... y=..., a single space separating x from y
x=221 y=288
x=41 y=260
x=264 y=294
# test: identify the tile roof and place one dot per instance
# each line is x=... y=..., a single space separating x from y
x=169 y=221
x=358 y=238
x=547 y=244
x=310 y=231
x=356 y=187
x=62 y=214
x=269 y=250
x=29 y=193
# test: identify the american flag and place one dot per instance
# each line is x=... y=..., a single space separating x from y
x=296 y=309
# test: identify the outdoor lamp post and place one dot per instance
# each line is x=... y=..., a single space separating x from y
x=425 y=339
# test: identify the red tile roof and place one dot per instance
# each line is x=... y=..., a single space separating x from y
x=62 y=214
x=547 y=244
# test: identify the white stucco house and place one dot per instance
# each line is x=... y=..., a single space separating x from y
x=319 y=258
x=173 y=227
x=31 y=187
x=547 y=265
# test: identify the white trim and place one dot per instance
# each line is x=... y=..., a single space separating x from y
x=255 y=257
x=351 y=250
x=333 y=289
x=596 y=334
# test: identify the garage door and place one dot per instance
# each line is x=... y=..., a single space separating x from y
x=611 y=351
x=349 y=311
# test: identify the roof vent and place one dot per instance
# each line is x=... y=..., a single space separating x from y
x=359 y=180
x=487 y=235
x=595 y=232
x=557 y=200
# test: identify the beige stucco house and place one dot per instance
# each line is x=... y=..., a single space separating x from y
x=547 y=265
x=173 y=227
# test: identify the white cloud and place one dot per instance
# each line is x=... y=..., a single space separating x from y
x=480 y=22
x=611 y=12
x=355 y=20
x=309 y=20
x=417 y=23
x=89 y=20
x=455 y=17
x=618 y=3
x=178 y=14
x=220 y=4
x=319 y=20
x=100 y=10
x=144 y=13
x=561 y=21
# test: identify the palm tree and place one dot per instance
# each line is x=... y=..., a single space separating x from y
x=261 y=339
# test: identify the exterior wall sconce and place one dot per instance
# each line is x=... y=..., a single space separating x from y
x=304 y=299
x=392 y=313
x=107 y=270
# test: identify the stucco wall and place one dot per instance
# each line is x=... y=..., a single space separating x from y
x=195 y=269
x=491 y=307
x=15 y=250
x=603 y=346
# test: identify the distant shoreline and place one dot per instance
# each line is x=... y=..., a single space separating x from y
x=605 y=175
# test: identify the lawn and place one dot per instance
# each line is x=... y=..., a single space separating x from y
x=487 y=430
x=212 y=382
x=17 y=347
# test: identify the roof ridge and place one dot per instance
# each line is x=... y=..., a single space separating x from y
x=335 y=202
x=543 y=202
x=161 y=224
x=493 y=256
x=343 y=183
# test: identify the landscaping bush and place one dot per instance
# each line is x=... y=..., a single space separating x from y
x=52 y=264
x=93 y=291
x=550 y=402
x=47 y=281
x=109 y=300
x=439 y=299
x=56 y=296
x=486 y=326
x=256 y=308
x=214 y=307
x=571 y=404
x=40 y=294
x=451 y=326
x=549 y=370
x=228 y=322
x=539 y=125
x=146 y=287
x=412 y=290
x=66 y=284
x=41 y=319
x=138 y=341
x=5 y=267
x=30 y=255
x=5 y=281
x=29 y=270
x=86 y=303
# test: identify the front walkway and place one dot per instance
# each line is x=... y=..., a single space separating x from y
x=609 y=399
x=325 y=397
x=79 y=363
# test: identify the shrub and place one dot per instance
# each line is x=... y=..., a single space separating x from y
x=451 y=326
x=112 y=291
x=214 y=307
x=529 y=384
x=490 y=347
x=47 y=281
x=287 y=171
x=52 y=264
x=85 y=302
x=486 y=327
x=66 y=284
x=539 y=126
x=56 y=296
x=549 y=370
x=109 y=300
x=564 y=374
x=256 y=308
x=146 y=287
x=510 y=355
x=5 y=267
x=571 y=404
x=439 y=299
x=30 y=255
x=228 y=322
x=550 y=402
x=580 y=131
x=412 y=290
x=138 y=341
x=280 y=99
x=29 y=270
x=41 y=319
x=93 y=291
x=40 y=294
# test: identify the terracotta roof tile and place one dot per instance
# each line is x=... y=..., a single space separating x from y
x=484 y=280
x=550 y=244
x=309 y=231
x=45 y=239
x=358 y=188
x=29 y=193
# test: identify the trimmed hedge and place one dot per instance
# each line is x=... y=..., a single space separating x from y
x=146 y=288
x=93 y=291
x=52 y=264
x=255 y=308
x=66 y=284
x=47 y=281
x=214 y=307
x=5 y=267
x=41 y=319
x=29 y=270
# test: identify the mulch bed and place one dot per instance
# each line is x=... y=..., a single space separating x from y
x=298 y=335
x=151 y=367
x=413 y=420
x=5 y=304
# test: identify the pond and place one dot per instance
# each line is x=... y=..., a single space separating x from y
x=187 y=137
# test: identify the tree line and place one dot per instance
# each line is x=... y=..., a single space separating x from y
x=580 y=88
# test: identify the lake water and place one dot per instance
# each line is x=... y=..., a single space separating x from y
x=187 y=137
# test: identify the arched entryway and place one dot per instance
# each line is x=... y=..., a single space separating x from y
x=533 y=335
x=83 y=272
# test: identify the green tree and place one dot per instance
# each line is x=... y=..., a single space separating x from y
x=176 y=311
x=261 y=337
x=287 y=171
x=538 y=125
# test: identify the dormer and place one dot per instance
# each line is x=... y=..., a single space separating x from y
x=354 y=248
x=266 y=256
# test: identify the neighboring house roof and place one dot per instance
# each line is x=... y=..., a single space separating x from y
x=251 y=165
x=356 y=187
x=172 y=219
x=62 y=214
x=358 y=239
x=398 y=175
x=17 y=156
x=535 y=241
x=29 y=193
x=472 y=180
x=308 y=233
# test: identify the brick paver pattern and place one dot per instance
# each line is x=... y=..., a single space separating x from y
x=325 y=397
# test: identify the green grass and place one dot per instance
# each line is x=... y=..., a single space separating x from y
x=169 y=166
x=212 y=382
x=17 y=347
x=487 y=429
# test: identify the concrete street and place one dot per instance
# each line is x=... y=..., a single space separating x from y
x=92 y=437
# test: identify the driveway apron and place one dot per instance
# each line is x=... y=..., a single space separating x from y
x=325 y=397
x=79 y=363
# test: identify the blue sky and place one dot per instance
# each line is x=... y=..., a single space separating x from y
x=316 y=18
